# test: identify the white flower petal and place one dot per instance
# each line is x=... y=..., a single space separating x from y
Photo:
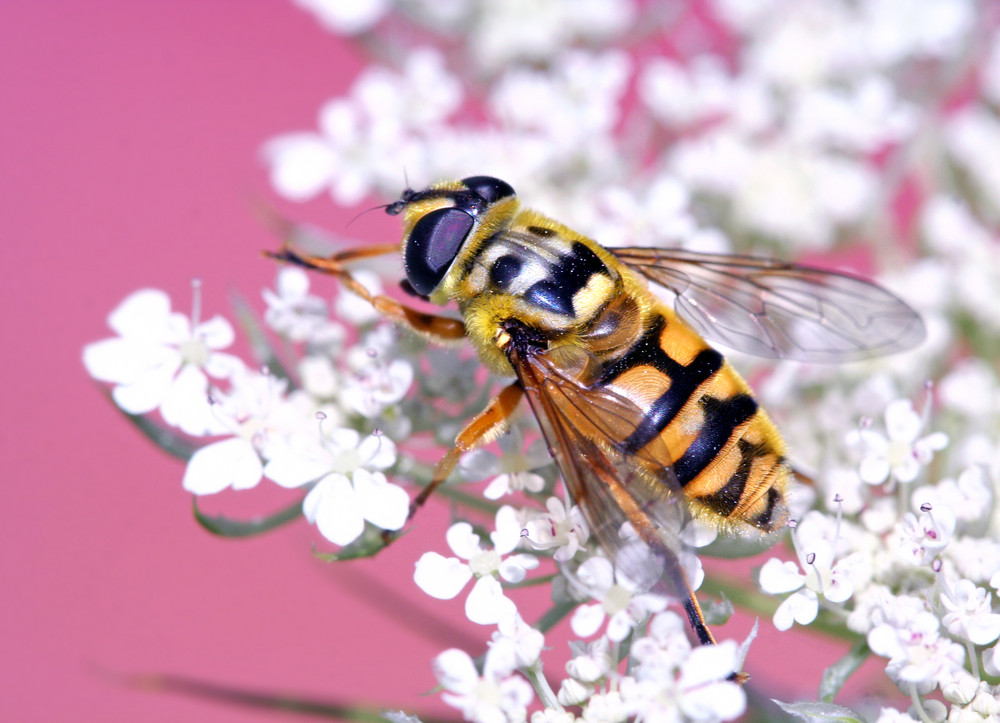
x=122 y=361
x=378 y=450
x=777 y=577
x=142 y=315
x=586 y=620
x=441 y=577
x=720 y=701
x=902 y=423
x=382 y=503
x=148 y=391
x=229 y=463
x=486 y=603
x=463 y=541
x=455 y=671
x=290 y=470
x=216 y=333
x=514 y=568
x=596 y=573
x=334 y=507
x=619 y=626
x=301 y=165
x=187 y=406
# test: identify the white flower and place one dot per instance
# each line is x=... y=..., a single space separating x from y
x=349 y=17
x=295 y=313
x=682 y=96
x=161 y=359
x=512 y=467
x=917 y=652
x=348 y=491
x=901 y=452
x=497 y=696
x=366 y=138
x=672 y=681
x=339 y=505
x=607 y=707
x=560 y=528
x=623 y=608
x=575 y=102
x=501 y=36
x=378 y=385
x=304 y=457
x=918 y=540
x=970 y=614
x=254 y=411
x=655 y=213
x=969 y=498
x=526 y=642
x=444 y=577
x=891 y=715
x=823 y=573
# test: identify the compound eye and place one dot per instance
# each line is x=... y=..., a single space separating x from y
x=488 y=188
x=433 y=245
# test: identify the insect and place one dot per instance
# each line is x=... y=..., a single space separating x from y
x=640 y=414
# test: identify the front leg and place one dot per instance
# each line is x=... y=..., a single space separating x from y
x=434 y=326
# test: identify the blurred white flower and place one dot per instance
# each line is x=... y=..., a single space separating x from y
x=378 y=385
x=255 y=412
x=512 y=467
x=502 y=37
x=673 y=681
x=295 y=313
x=349 y=17
x=161 y=359
x=970 y=613
x=623 y=607
x=560 y=528
x=525 y=641
x=496 y=696
x=365 y=139
x=917 y=653
x=918 y=540
x=901 y=452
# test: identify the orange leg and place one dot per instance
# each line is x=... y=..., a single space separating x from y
x=442 y=328
x=483 y=428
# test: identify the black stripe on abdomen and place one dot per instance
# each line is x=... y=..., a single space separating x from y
x=722 y=418
x=684 y=382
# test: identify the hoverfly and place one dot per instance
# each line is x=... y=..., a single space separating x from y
x=639 y=413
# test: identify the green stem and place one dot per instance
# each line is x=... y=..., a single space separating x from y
x=541 y=685
x=973 y=659
x=765 y=605
x=531 y=582
x=919 y=704
x=554 y=615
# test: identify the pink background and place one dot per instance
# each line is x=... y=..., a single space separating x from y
x=129 y=135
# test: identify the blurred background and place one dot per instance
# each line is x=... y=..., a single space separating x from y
x=130 y=136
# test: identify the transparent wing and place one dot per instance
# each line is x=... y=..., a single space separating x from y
x=632 y=504
x=774 y=309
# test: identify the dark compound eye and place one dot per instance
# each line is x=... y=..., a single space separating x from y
x=433 y=245
x=488 y=188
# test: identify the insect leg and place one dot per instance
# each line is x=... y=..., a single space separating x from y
x=673 y=580
x=442 y=328
x=483 y=428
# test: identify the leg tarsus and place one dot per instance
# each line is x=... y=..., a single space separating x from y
x=482 y=429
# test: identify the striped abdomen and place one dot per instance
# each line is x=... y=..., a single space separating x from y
x=725 y=452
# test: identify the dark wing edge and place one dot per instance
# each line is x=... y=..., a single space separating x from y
x=610 y=488
x=779 y=310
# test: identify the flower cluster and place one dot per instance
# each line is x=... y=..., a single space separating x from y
x=865 y=131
